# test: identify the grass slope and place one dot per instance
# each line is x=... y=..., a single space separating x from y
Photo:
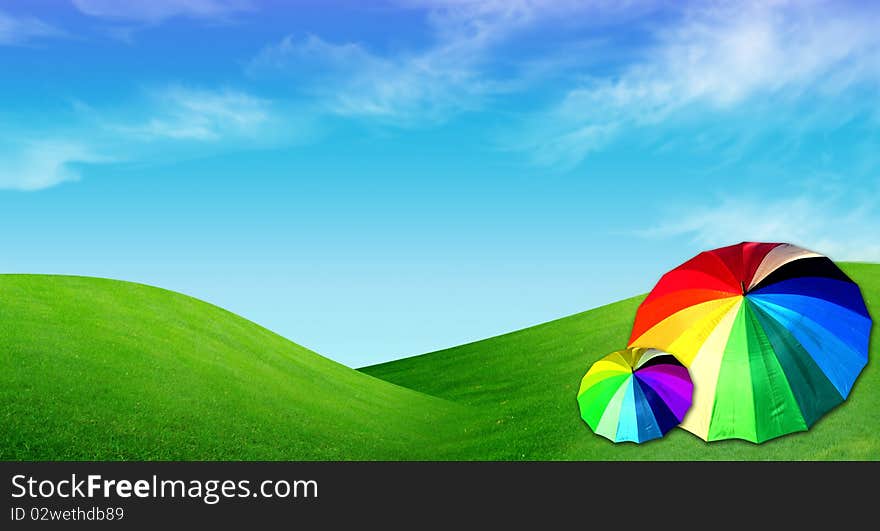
x=107 y=370
x=524 y=385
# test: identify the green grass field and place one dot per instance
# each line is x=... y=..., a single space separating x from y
x=524 y=385
x=94 y=369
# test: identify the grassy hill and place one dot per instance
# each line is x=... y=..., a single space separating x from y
x=524 y=386
x=94 y=369
x=101 y=369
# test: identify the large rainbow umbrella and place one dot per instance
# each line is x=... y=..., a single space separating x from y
x=635 y=395
x=774 y=336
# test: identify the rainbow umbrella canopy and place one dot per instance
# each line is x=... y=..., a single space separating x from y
x=774 y=336
x=635 y=395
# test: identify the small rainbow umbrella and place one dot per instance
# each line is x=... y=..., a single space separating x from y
x=774 y=336
x=635 y=395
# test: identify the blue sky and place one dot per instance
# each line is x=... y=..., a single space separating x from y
x=377 y=180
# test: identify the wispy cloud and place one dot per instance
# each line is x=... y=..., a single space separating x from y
x=841 y=227
x=161 y=125
x=716 y=57
x=39 y=164
x=352 y=81
x=201 y=115
x=21 y=30
x=153 y=11
x=452 y=74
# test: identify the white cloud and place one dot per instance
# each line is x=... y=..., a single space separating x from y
x=167 y=123
x=42 y=164
x=21 y=30
x=201 y=115
x=725 y=55
x=352 y=81
x=448 y=76
x=718 y=56
x=844 y=230
x=159 y=10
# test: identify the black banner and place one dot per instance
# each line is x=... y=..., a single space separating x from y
x=127 y=495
